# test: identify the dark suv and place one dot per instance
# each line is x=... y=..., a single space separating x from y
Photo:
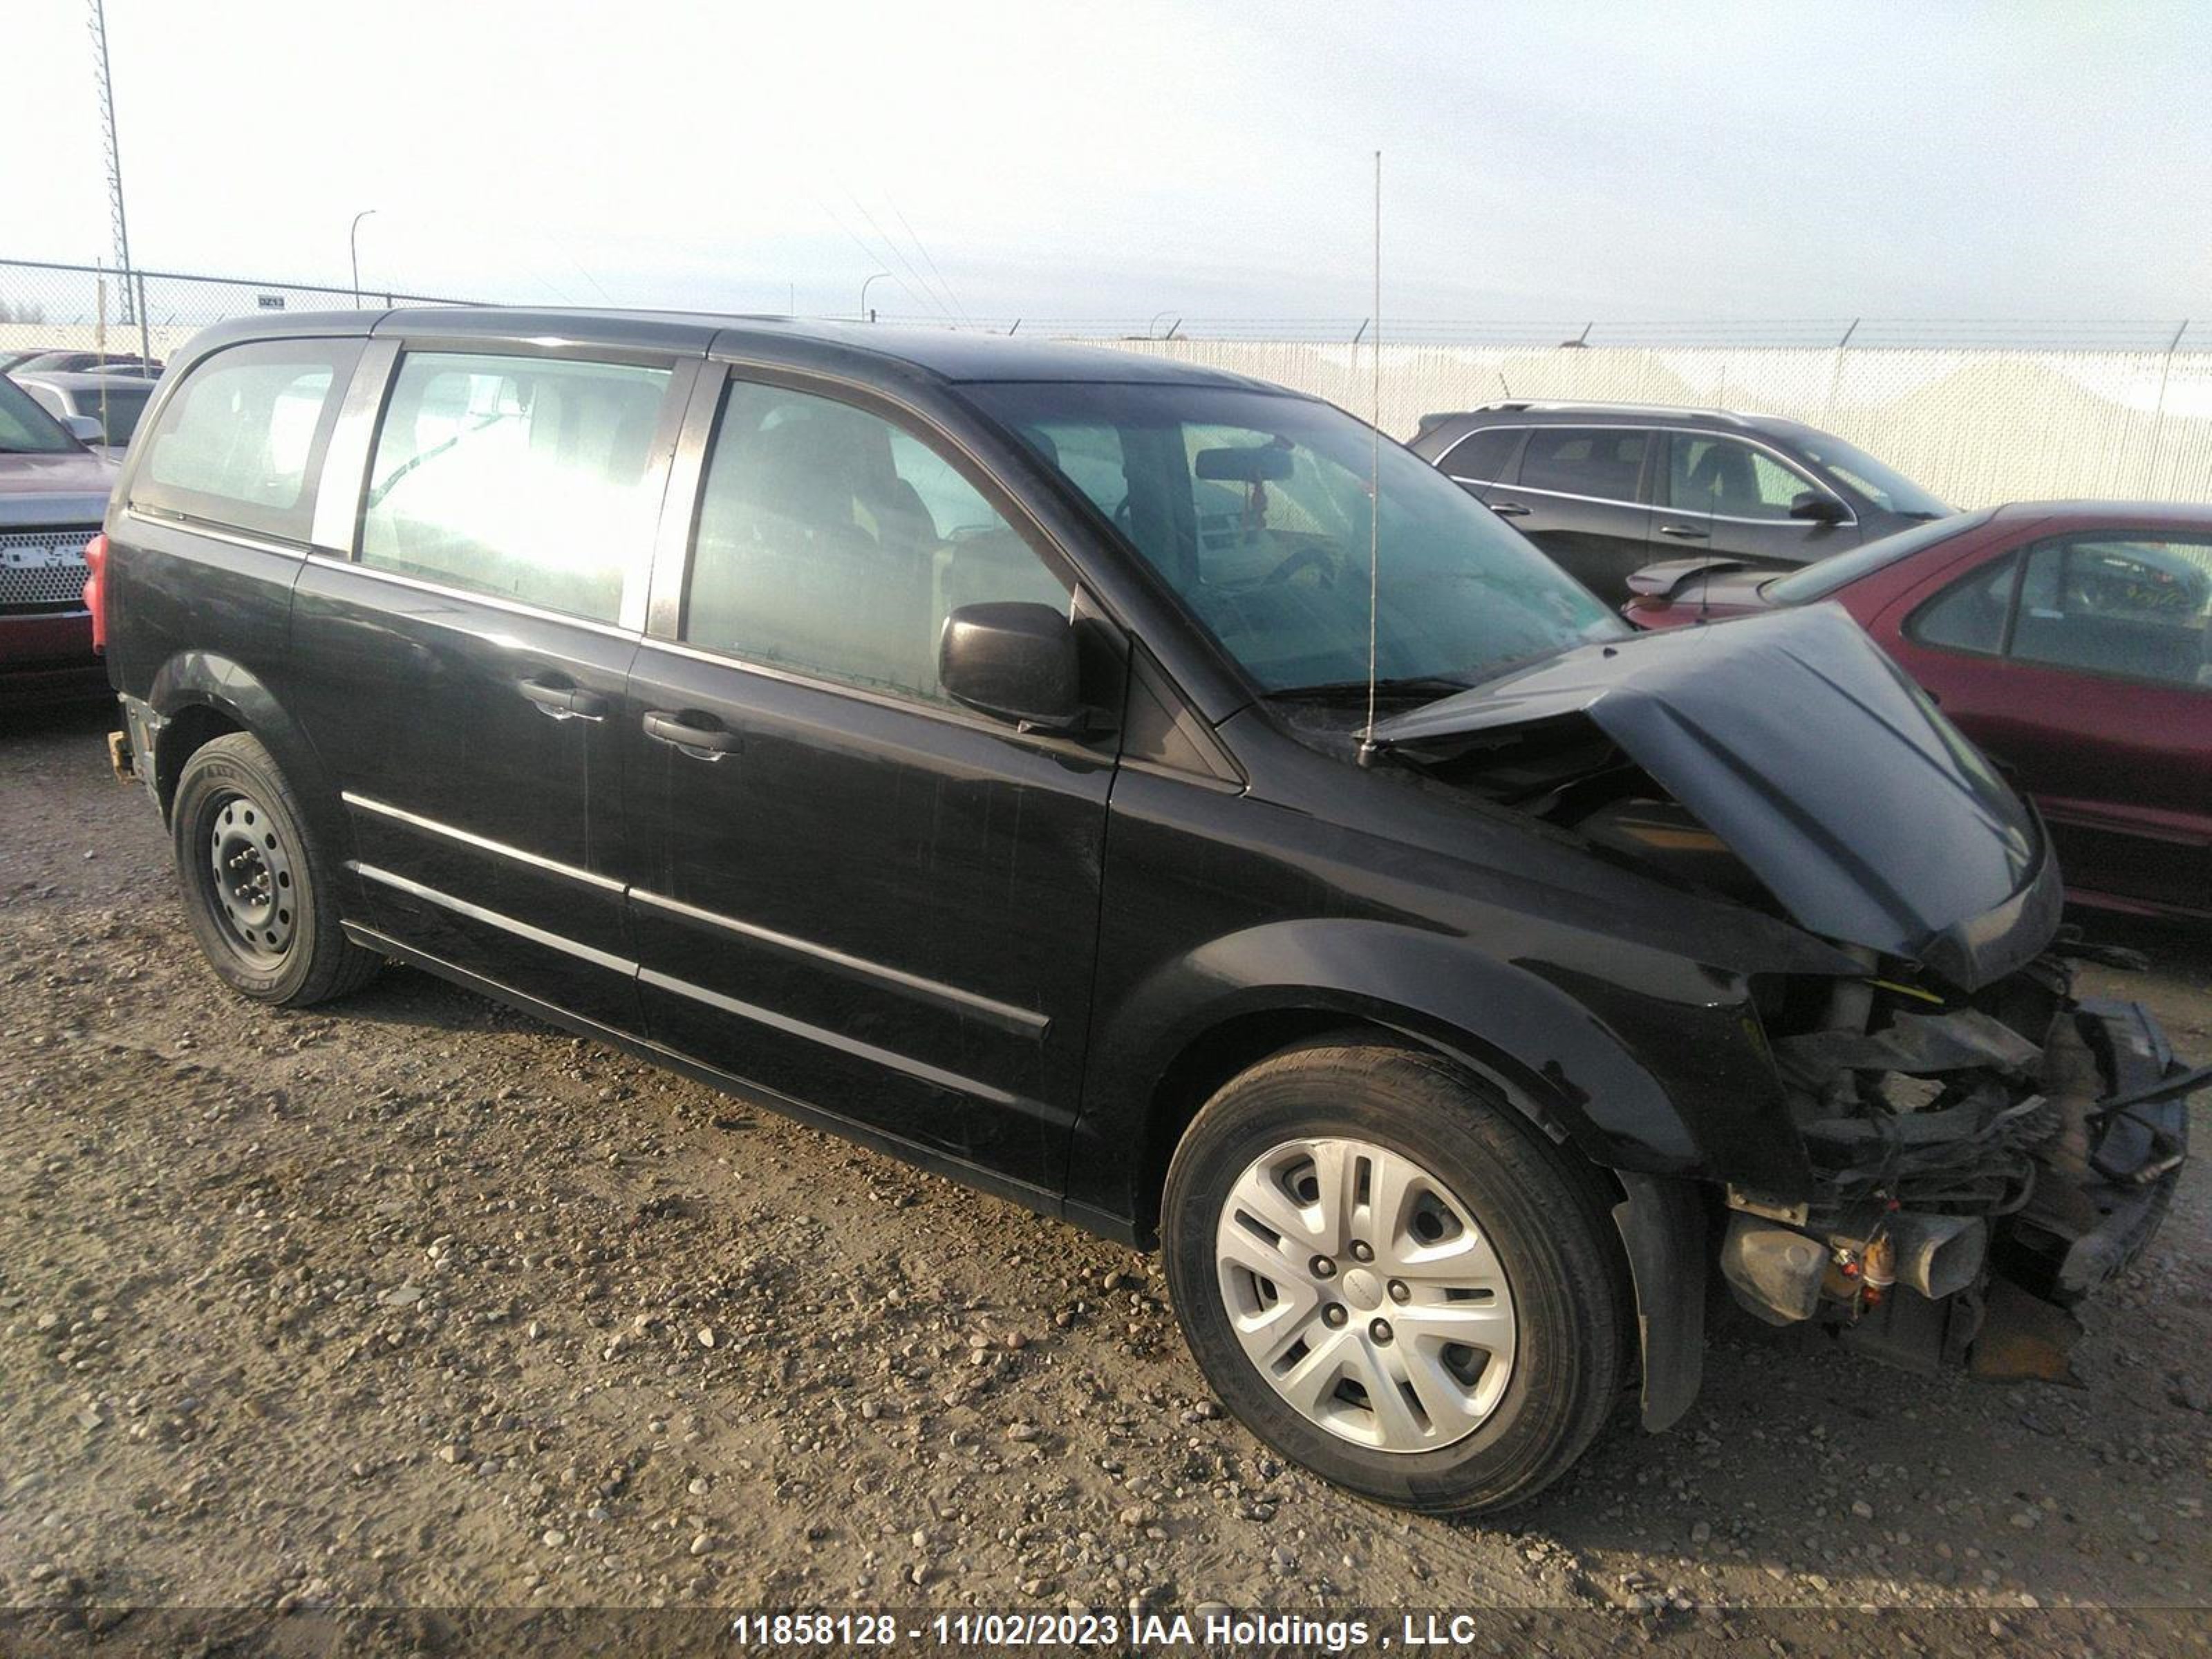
x=967 y=744
x=1607 y=489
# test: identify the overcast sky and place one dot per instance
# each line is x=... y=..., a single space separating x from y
x=1542 y=161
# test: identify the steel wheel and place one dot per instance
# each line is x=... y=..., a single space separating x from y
x=1365 y=1294
x=252 y=886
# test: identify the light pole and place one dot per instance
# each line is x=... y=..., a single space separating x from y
x=353 y=247
x=866 y=316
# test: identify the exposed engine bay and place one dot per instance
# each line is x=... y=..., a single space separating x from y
x=1984 y=1150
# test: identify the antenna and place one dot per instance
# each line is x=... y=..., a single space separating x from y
x=1367 y=749
x=1712 y=508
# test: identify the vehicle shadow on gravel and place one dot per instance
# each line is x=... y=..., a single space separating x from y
x=2181 y=948
x=401 y=995
x=93 y=717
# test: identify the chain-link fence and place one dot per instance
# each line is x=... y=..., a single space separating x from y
x=1979 y=411
x=150 y=313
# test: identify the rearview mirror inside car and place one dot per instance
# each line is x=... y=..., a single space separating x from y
x=1268 y=464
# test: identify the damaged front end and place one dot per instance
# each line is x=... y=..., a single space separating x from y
x=1983 y=1151
x=1981 y=1164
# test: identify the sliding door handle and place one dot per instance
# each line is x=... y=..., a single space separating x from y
x=683 y=731
x=560 y=698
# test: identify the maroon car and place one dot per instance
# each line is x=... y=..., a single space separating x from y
x=2068 y=639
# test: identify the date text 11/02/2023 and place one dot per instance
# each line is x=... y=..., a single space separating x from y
x=1215 y=1630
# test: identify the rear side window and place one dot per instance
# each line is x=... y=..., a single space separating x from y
x=240 y=441
x=2137 y=608
x=521 y=477
x=1481 y=457
x=1602 y=462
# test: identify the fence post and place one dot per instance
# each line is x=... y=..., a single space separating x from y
x=2157 y=419
x=1836 y=376
x=145 y=337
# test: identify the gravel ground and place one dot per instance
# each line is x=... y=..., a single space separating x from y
x=414 y=1301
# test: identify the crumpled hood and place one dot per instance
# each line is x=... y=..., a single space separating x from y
x=1793 y=738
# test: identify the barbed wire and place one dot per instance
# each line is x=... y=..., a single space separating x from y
x=33 y=292
x=2046 y=334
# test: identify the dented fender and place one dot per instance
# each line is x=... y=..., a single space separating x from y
x=1538 y=1032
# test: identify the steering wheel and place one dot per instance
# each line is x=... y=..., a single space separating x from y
x=1307 y=557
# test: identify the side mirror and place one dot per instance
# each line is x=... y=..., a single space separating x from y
x=1015 y=661
x=1811 y=505
x=85 y=428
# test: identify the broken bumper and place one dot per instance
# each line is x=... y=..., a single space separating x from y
x=2066 y=1243
x=1965 y=1233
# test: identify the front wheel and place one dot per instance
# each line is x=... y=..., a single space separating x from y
x=1391 y=1280
x=259 y=892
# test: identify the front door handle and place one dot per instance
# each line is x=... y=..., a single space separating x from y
x=1684 y=532
x=560 y=699
x=1509 y=509
x=702 y=742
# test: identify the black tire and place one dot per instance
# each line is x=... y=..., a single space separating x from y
x=274 y=936
x=1542 y=1212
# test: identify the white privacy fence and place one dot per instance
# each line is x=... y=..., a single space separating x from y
x=1975 y=425
x=1979 y=412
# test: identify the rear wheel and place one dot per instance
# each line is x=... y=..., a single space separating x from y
x=257 y=889
x=1391 y=1280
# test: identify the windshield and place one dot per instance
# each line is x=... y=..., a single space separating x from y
x=26 y=430
x=1824 y=576
x=1878 y=482
x=1253 y=508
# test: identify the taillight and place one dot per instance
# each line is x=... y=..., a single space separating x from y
x=95 y=589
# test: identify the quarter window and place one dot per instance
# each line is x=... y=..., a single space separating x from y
x=1604 y=462
x=1969 y=614
x=832 y=543
x=1719 y=475
x=240 y=442
x=523 y=477
x=1481 y=457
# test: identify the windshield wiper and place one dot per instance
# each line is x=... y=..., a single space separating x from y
x=1410 y=685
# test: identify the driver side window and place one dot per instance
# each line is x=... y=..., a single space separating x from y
x=832 y=543
x=1719 y=475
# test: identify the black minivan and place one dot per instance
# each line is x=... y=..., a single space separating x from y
x=1103 y=780
x=1609 y=488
